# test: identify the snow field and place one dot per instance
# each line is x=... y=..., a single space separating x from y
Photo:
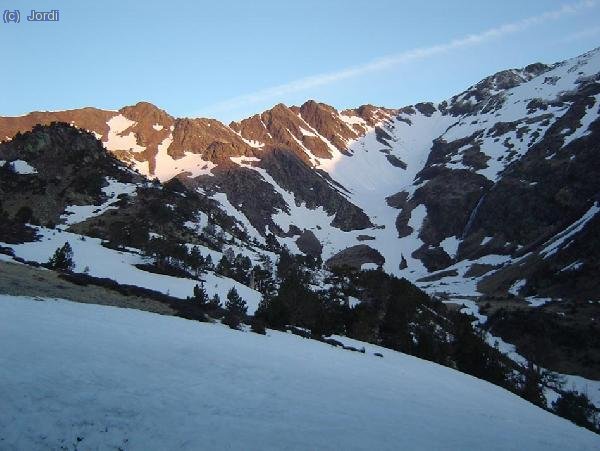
x=124 y=378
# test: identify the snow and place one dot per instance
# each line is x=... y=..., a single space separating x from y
x=232 y=211
x=353 y=302
x=460 y=286
x=157 y=127
x=514 y=109
x=116 y=141
x=78 y=213
x=135 y=380
x=254 y=143
x=534 y=301
x=21 y=167
x=306 y=132
x=312 y=157
x=573 y=266
x=516 y=287
x=8 y=258
x=120 y=267
x=353 y=120
x=201 y=221
x=469 y=307
x=167 y=167
x=251 y=142
x=590 y=116
x=450 y=245
x=369 y=178
x=558 y=242
x=243 y=159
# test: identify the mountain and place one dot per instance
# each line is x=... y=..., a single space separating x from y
x=96 y=377
x=488 y=200
x=483 y=183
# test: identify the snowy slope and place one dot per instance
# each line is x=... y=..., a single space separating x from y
x=90 y=256
x=93 y=377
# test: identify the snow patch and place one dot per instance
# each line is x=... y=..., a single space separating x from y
x=167 y=167
x=78 y=213
x=116 y=141
x=20 y=167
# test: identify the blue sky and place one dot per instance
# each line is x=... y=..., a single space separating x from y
x=231 y=59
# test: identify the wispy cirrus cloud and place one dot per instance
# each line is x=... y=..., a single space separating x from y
x=583 y=34
x=379 y=64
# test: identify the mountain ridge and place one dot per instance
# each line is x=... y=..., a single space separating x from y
x=296 y=149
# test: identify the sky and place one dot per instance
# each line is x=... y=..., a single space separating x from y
x=231 y=59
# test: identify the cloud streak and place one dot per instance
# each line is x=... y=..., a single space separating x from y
x=380 y=64
x=583 y=34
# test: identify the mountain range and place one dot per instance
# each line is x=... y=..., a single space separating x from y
x=488 y=202
x=496 y=187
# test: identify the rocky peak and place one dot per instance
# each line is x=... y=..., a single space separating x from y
x=326 y=120
x=209 y=137
x=371 y=114
x=91 y=119
x=145 y=112
x=489 y=92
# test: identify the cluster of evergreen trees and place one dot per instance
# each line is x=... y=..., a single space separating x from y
x=239 y=268
x=174 y=258
x=233 y=312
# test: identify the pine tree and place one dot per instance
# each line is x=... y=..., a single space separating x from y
x=200 y=296
x=196 y=261
x=241 y=266
x=257 y=325
x=235 y=309
x=578 y=408
x=62 y=260
x=215 y=302
x=224 y=267
x=532 y=389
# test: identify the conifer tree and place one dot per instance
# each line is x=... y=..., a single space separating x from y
x=62 y=260
x=215 y=302
x=200 y=296
x=224 y=267
x=208 y=263
x=235 y=309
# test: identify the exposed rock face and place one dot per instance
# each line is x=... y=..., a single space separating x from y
x=247 y=191
x=355 y=257
x=75 y=167
x=450 y=196
x=91 y=119
x=308 y=243
x=310 y=188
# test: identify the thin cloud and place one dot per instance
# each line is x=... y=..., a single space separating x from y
x=380 y=64
x=583 y=34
